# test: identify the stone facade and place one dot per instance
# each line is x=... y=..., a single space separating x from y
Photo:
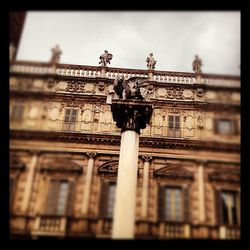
x=62 y=131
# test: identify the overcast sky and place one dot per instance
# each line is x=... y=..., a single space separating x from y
x=173 y=37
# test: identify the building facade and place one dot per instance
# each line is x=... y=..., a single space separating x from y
x=64 y=153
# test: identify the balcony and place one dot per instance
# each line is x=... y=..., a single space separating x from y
x=50 y=226
x=104 y=228
x=229 y=232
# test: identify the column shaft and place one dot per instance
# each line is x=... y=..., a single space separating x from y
x=87 y=188
x=201 y=191
x=125 y=199
x=29 y=183
x=144 y=205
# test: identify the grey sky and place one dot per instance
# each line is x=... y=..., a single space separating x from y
x=173 y=37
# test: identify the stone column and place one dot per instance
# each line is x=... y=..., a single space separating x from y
x=29 y=181
x=130 y=116
x=144 y=201
x=201 y=191
x=87 y=188
x=124 y=210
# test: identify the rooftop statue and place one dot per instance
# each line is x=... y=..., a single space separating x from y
x=197 y=63
x=133 y=88
x=56 y=53
x=105 y=58
x=150 y=61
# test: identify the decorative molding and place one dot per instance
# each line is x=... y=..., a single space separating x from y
x=91 y=154
x=79 y=137
x=225 y=176
x=75 y=86
x=101 y=86
x=200 y=92
x=16 y=163
x=175 y=93
x=110 y=167
x=173 y=171
x=61 y=165
x=147 y=158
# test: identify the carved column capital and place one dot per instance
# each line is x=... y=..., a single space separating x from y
x=131 y=115
x=201 y=162
x=35 y=152
x=146 y=158
x=91 y=154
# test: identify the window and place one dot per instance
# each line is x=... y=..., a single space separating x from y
x=226 y=126
x=170 y=204
x=174 y=128
x=59 y=197
x=111 y=200
x=229 y=207
x=17 y=113
x=70 y=119
x=107 y=200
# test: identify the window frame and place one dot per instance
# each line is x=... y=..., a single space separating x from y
x=20 y=117
x=172 y=129
x=162 y=203
x=219 y=205
x=70 y=125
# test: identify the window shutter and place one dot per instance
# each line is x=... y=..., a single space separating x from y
x=170 y=122
x=186 y=205
x=216 y=129
x=52 y=198
x=70 y=199
x=177 y=123
x=161 y=202
x=218 y=207
x=236 y=127
x=67 y=115
x=103 y=201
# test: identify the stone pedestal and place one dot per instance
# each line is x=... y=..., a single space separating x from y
x=130 y=116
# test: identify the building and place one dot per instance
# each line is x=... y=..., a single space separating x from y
x=64 y=152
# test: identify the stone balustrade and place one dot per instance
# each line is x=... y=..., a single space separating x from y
x=111 y=73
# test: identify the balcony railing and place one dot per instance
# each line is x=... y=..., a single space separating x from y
x=229 y=232
x=111 y=73
x=50 y=225
x=175 y=230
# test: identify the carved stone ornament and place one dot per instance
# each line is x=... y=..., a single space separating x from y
x=50 y=83
x=15 y=162
x=175 y=93
x=101 y=86
x=61 y=165
x=75 y=86
x=109 y=167
x=147 y=158
x=173 y=171
x=200 y=92
x=91 y=154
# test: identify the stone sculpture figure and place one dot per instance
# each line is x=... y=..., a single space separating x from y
x=150 y=61
x=197 y=63
x=56 y=53
x=133 y=88
x=105 y=58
